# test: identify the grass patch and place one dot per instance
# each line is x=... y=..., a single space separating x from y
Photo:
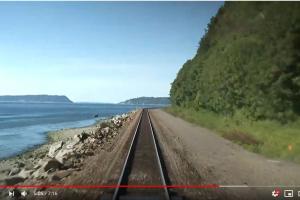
x=242 y=138
x=269 y=138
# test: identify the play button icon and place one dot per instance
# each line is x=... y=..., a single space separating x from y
x=11 y=193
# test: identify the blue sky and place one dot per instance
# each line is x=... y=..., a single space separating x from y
x=98 y=51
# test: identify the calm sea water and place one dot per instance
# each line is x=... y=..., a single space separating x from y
x=24 y=125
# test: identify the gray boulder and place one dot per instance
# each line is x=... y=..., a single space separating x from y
x=14 y=171
x=51 y=164
x=60 y=175
x=25 y=173
x=20 y=164
x=81 y=137
x=63 y=155
x=54 y=148
x=72 y=143
x=40 y=173
x=76 y=138
x=105 y=130
x=47 y=165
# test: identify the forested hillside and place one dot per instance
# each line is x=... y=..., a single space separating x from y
x=248 y=62
x=148 y=100
x=35 y=98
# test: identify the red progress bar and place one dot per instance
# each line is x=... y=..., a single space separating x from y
x=112 y=186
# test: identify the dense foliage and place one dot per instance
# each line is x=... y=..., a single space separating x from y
x=248 y=62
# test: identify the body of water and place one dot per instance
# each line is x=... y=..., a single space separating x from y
x=25 y=125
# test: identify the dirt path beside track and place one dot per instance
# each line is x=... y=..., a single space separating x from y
x=195 y=155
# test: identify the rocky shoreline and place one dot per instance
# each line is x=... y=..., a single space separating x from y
x=64 y=153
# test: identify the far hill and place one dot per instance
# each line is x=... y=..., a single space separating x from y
x=35 y=99
x=148 y=100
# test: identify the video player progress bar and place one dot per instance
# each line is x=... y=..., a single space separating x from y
x=259 y=186
x=113 y=186
x=208 y=186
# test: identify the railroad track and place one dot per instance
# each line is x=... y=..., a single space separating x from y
x=142 y=166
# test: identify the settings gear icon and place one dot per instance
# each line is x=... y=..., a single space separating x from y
x=276 y=193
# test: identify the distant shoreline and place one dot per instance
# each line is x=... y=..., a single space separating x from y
x=52 y=102
x=35 y=98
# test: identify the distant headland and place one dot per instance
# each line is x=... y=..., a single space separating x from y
x=148 y=100
x=35 y=99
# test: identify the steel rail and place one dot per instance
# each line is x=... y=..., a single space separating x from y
x=131 y=152
x=167 y=196
x=115 y=196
